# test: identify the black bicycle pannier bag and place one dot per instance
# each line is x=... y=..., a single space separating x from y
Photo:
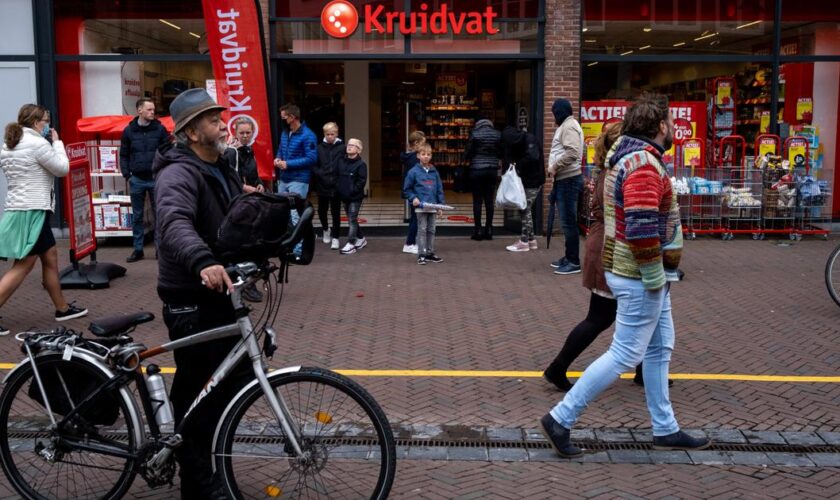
x=71 y=388
x=255 y=226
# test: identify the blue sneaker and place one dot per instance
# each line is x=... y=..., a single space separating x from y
x=559 y=263
x=568 y=268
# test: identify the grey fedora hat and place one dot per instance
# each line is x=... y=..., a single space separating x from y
x=189 y=104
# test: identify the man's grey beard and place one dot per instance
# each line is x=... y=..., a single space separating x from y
x=221 y=146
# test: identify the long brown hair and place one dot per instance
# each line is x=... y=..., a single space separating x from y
x=604 y=142
x=28 y=116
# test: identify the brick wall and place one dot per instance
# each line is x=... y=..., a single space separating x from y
x=562 y=69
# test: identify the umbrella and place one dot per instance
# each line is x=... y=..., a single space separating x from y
x=112 y=126
x=552 y=207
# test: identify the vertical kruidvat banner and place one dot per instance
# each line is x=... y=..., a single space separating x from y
x=236 y=42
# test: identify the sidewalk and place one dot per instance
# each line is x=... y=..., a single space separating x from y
x=746 y=307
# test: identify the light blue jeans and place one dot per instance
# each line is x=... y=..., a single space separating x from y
x=644 y=330
x=302 y=189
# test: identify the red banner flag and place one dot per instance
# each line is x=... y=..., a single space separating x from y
x=235 y=38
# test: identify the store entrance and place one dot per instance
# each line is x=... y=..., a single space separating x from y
x=382 y=102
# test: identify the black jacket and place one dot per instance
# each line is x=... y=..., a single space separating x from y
x=326 y=171
x=524 y=150
x=484 y=149
x=352 y=177
x=244 y=163
x=190 y=205
x=138 y=146
x=407 y=159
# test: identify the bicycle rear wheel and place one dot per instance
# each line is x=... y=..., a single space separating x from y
x=44 y=463
x=348 y=443
x=832 y=275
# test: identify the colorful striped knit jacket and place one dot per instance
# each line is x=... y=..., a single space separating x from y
x=642 y=232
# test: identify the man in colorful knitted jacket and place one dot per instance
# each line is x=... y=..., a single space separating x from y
x=642 y=246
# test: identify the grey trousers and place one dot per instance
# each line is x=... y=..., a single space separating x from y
x=425 y=233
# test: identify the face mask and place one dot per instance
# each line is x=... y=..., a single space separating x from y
x=46 y=131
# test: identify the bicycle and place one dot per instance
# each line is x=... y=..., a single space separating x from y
x=70 y=424
x=832 y=275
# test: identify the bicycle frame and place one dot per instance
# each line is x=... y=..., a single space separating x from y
x=246 y=346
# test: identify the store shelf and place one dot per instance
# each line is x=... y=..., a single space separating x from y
x=105 y=174
x=453 y=107
x=449 y=138
x=100 y=201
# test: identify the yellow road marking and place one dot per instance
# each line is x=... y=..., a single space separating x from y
x=736 y=377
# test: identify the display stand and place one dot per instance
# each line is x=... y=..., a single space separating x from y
x=78 y=208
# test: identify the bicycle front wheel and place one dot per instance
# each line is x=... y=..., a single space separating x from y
x=85 y=459
x=832 y=275
x=347 y=443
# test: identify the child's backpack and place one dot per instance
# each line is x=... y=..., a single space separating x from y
x=256 y=226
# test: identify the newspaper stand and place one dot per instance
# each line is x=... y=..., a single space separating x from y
x=741 y=192
x=813 y=191
x=778 y=200
x=689 y=157
x=78 y=209
x=766 y=145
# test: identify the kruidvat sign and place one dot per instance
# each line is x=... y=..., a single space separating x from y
x=340 y=19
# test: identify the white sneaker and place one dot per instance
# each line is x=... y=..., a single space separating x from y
x=519 y=246
x=335 y=244
x=412 y=249
x=348 y=249
x=361 y=243
x=327 y=238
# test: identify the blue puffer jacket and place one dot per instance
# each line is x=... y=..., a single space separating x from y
x=423 y=185
x=138 y=146
x=299 y=150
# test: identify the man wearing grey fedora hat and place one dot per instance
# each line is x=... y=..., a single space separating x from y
x=193 y=188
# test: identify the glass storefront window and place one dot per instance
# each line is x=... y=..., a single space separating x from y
x=809 y=29
x=129 y=27
x=677 y=27
x=308 y=37
x=514 y=37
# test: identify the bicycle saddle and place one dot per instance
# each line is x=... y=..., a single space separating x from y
x=117 y=325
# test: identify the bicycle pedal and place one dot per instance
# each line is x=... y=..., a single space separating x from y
x=172 y=441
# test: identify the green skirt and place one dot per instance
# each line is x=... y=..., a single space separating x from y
x=19 y=231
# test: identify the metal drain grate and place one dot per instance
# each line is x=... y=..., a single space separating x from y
x=589 y=445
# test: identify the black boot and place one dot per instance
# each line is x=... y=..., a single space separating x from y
x=476 y=234
x=488 y=233
x=556 y=374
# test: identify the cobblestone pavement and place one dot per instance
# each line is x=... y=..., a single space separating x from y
x=746 y=307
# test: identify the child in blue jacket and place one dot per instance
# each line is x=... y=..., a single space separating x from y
x=423 y=185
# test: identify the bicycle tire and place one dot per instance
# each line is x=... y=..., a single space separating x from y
x=830 y=282
x=330 y=435
x=24 y=424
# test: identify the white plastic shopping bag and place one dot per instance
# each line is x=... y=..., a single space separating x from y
x=511 y=193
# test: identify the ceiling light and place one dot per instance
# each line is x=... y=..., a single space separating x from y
x=407 y=83
x=585 y=30
x=645 y=47
x=647 y=29
x=745 y=25
x=628 y=52
x=169 y=24
x=310 y=83
x=590 y=40
x=680 y=44
x=592 y=63
x=703 y=37
x=195 y=34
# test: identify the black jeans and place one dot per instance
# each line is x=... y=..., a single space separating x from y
x=194 y=367
x=483 y=184
x=333 y=204
x=568 y=193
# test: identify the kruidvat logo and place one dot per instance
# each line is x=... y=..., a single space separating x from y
x=339 y=19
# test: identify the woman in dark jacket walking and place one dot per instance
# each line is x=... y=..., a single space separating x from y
x=483 y=152
x=330 y=151
x=523 y=150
